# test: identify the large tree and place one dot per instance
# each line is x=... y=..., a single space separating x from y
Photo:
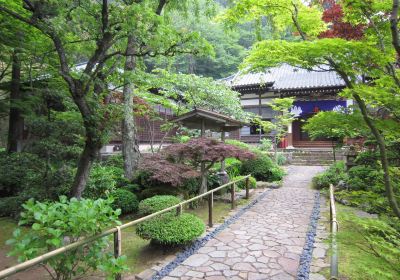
x=367 y=66
x=105 y=35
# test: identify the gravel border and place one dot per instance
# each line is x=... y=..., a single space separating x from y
x=196 y=245
x=306 y=256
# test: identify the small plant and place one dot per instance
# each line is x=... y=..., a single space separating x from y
x=55 y=224
x=125 y=200
x=171 y=229
x=157 y=203
x=242 y=184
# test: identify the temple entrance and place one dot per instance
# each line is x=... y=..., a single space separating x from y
x=301 y=138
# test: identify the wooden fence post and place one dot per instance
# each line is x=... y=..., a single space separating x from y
x=118 y=248
x=210 y=209
x=179 y=210
x=233 y=187
x=247 y=187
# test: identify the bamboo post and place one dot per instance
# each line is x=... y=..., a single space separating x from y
x=210 y=209
x=334 y=228
x=118 y=248
x=179 y=210
x=247 y=187
x=233 y=187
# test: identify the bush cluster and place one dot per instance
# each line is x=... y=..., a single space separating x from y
x=168 y=229
x=262 y=168
x=52 y=222
x=333 y=175
x=125 y=200
x=171 y=229
x=157 y=203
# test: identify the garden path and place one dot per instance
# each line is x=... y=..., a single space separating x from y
x=265 y=242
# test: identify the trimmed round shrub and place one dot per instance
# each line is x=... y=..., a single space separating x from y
x=242 y=184
x=171 y=230
x=153 y=191
x=157 y=203
x=263 y=169
x=125 y=200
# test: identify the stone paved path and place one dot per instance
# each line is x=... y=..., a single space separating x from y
x=265 y=242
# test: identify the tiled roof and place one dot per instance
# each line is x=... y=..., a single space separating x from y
x=286 y=77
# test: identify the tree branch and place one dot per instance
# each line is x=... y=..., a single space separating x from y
x=394 y=19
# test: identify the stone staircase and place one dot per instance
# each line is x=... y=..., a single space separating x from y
x=312 y=156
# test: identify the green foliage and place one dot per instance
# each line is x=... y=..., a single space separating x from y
x=363 y=177
x=102 y=181
x=263 y=169
x=171 y=229
x=333 y=175
x=238 y=143
x=242 y=184
x=334 y=125
x=266 y=145
x=280 y=159
x=157 y=203
x=367 y=201
x=151 y=191
x=373 y=243
x=280 y=14
x=55 y=224
x=18 y=171
x=125 y=200
x=11 y=206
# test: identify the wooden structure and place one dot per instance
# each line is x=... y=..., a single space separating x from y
x=314 y=90
x=209 y=120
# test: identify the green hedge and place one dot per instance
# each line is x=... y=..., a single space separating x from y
x=171 y=229
x=157 y=203
x=125 y=200
x=262 y=168
x=242 y=184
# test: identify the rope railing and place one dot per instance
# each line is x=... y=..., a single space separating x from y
x=116 y=231
x=334 y=272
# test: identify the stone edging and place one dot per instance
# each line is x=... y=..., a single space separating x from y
x=306 y=256
x=196 y=245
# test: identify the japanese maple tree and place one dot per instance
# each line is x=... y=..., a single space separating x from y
x=178 y=162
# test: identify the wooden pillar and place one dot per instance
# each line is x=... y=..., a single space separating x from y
x=203 y=187
x=233 y=187
x=210 y=209
x=117 y=248
x=290 y=137
x=247 y=187
x=223 y=141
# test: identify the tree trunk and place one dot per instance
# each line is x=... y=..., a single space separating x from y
x=382 y=153
x=16 y=122
x=82 y=173
x=203 y=187
x=130 y=147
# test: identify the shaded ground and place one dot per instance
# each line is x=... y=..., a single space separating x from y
x=265 y=242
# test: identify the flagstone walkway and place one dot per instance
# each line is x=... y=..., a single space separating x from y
x=265 y=242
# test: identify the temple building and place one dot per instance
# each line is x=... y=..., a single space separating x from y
x=314 y=91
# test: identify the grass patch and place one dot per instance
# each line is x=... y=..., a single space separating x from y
x=357 y=259
x=7 y=226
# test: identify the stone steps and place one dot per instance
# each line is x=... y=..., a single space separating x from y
x=312 y=157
